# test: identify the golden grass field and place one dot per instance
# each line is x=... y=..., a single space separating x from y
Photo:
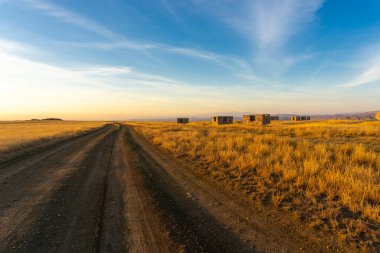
x=18 y=135
x=325 y=173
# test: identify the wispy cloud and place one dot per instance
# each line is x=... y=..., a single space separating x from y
x=120 y=42
x=232 y=63
x=271 y=23
x=70 y=17
x=18 y=71
x=369 y=72
x=267 y=23
x=169 y=9
x=369 y=76
x=15 y=47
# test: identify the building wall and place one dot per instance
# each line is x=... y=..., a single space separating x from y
x=247 y=119
x=222 y=120
x=262 y=119
x=182 y=120
x=299 y=118
x=296 y=118
x=274 y=118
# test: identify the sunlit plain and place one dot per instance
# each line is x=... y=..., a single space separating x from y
x=325 y=172
x=20 y=134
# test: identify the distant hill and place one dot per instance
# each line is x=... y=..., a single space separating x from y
x=47 y=119
x=352 y=115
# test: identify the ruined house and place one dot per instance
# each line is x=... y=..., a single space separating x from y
x=262 y=119
x=295 y=118
x=248 y=119
x=377 y=115
x=274 y=117
x=182 y=120
x=222 y=120
x=299 y=118
x=257 y=119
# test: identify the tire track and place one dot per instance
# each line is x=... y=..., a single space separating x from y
x=143 y=227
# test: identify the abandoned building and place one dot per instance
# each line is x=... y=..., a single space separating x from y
x=222 y=120
x=274 y=117
x=262 y=119
x=247 y=119
x=259 y=119
x=299 y=118
x=295 y=118
x=182 y=120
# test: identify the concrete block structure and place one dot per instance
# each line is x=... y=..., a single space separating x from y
x=295 y=118
x=182 y=120
x=222 y=120
x=299 y=118
x=257 y=119
x=274 y=117
x=262 y=119
x=248 y=119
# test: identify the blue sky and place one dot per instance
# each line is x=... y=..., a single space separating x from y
x=117 y=59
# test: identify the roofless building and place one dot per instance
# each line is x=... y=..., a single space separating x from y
x=259 y=119
x=274 y=117
x=248 y=119
x=182 y=120
x=299 y=118
x=222 y=120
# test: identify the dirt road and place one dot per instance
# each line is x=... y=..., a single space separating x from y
x=110 y=191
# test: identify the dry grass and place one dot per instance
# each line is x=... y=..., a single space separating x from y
x=15 y=136
x=325 y=172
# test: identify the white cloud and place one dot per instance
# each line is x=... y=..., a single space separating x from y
x=235 y=64
x=369 y=64
x=369 y=76
x=70 y=17
x=28 y=82
x=104 y=71
x=271 y=23
x=15 y=47
x=117 y=41
x=268 y=23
